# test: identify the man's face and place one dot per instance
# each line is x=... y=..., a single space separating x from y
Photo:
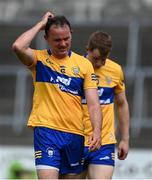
x=59 y=39
x=95 y=58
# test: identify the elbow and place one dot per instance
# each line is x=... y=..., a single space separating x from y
x=15 y=47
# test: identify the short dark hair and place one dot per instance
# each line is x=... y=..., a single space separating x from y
x=58 y=21
x=101 y=41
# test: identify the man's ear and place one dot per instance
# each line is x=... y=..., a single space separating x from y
x=45 y=37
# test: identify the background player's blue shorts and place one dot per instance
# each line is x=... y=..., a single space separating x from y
x=103 y=156
x=56 y=149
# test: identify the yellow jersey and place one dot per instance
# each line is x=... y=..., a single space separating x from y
x=110 y=81
x=58 y=90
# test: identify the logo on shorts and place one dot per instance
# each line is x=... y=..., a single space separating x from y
x=74 y=164
x=82 y=161
x=113 y=156
x=50 y=151
x=38 y=154
x=105 y=158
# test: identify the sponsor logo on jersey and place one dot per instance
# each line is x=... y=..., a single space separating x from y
x=100 y=92
x=63 y=84
x=65 y=81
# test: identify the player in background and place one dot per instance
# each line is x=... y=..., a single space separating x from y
x=111 y=90
x=61 y=77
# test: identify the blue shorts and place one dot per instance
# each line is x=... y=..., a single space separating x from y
x=56 y=149
x=103 y=156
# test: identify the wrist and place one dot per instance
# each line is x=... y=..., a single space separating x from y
x=97 y=130
x=126 y=138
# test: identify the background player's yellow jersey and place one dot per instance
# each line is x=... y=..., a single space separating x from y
x=110 y=82
x=58 y=90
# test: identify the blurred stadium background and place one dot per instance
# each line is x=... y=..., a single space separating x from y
x=128 y=22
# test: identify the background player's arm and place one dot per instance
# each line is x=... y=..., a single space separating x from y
x=123 y=117
x=22 y=45
x=95 y=117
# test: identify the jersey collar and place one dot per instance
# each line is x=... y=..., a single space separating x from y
x=50 y=53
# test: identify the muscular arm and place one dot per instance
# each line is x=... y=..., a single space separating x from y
x=123 y=117
x=22 y=45
x=95 y=117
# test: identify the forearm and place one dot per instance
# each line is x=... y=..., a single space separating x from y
x=23 y=41
x=22 y=45
x=123 y=116
x=96 y=118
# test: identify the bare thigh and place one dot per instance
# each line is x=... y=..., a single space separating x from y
x=47 y=174
x=100 y=171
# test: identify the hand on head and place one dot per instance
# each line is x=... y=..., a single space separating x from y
x=45 y=18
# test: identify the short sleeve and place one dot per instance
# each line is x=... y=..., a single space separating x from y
x=35 y=60
x=90 y=80
x=120 y=87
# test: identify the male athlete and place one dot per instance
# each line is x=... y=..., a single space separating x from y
x=111 y=90
x=61 y=77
